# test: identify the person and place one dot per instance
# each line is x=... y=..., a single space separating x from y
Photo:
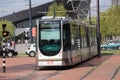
x=8 y=44
x=12 y=44
x=26 y=42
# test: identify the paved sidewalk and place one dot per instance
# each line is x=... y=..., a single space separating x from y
x=108 y=70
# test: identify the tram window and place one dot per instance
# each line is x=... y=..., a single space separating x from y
x=93 y=37
x=66 y=37
x=49 y=38
x=75 y=37
x=83 y=37
x=87 y=36
x=90 y=36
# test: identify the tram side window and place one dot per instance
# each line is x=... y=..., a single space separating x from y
x=83 y=37
x=88 y=36
x=93 y=41
x=66 y=37
x=91 y=37
x=75 y=36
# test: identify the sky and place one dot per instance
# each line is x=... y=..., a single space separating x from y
x=11 y=6
x=104 y=5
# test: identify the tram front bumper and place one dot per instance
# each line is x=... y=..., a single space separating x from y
x=60 y=62
x=50 y=63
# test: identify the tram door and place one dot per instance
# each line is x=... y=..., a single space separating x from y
x=66 y=37
x=67 y=44
x=88 y=33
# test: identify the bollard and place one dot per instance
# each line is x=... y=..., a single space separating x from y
x=4 y=61
x=4 y=34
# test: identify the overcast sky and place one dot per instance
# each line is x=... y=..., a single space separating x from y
x=104 y=5
x=10 y=6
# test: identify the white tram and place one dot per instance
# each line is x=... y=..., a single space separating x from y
x=64 y=42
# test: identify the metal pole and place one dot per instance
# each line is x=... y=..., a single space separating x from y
x=3 y=49
x=90 y=17
x=117 y=2
x=98 y=29
x=30 y=21
x=14 y=37
x=4 y=55
x=14 y=31
x=54 y=14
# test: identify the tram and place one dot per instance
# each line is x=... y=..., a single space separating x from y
x=64 y=42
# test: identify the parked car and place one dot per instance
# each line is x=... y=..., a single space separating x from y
x=8 y=52
x=115 y=44
x=31 y=51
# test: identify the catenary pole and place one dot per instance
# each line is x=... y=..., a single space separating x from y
x=30 y=21
x=54 y=14
x=98 y=29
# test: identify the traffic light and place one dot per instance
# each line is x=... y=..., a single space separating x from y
x=5 y=33
x=4 y=26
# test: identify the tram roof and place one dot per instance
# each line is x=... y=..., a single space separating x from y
x=66 y=20
x=52 y=17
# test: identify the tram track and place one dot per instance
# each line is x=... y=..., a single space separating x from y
x=28 y=71
x=59 y=71
x=89 y=72
x=116 y=71
x=44 y=75
x=49 y=75
x=95 y=66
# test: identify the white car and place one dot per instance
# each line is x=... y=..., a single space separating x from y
x=31 y=51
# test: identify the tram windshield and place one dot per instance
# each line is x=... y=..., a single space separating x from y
x=49 y=38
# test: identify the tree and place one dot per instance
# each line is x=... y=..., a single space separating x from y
x=10 y=27
x=59 y=8
x=110 y=22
